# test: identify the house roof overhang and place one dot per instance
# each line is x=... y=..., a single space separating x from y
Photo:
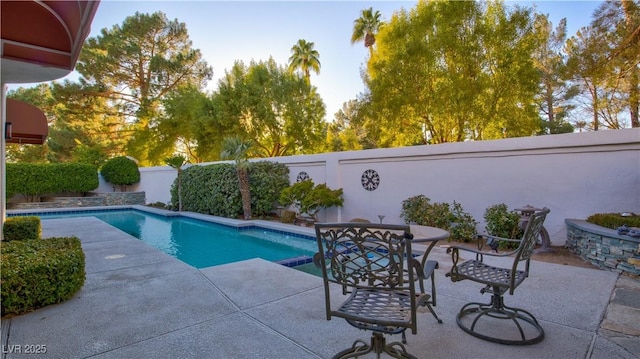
x=41 y=40
x=26 y=124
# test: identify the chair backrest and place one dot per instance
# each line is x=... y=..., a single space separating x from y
x=363 y=256
x=530 y=236
x=528 y=244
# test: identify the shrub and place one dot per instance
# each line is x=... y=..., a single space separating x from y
x=266 y=179
x=214 y=189
x=419 y=210
x=121 y=171
x=22 y=228
x=463 y=227
x=39 y=273
x=309 y=198
x=501 y=222
x=36 y=179
x=614 y=220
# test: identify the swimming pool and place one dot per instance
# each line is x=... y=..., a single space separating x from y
x=204 y=244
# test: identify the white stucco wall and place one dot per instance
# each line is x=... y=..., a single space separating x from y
x=575 y=175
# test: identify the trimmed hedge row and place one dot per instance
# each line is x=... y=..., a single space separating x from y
x=36 y=273
x=214 y=189
x=17 y=228
x=36 y=179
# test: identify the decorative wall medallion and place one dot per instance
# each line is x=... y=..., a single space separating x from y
x=302 y=176
x=370 y=180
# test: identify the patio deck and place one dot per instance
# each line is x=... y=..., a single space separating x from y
x=139 y=302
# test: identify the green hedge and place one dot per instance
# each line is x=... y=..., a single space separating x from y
x=214 y=189
x=267 y=179
x=21 y=228
x=36 y=179
x=39 y=273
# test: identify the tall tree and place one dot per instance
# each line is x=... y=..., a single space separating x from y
x=137 y=64
x=555 y=92
x=237 y=149
x=85 y=128
x=188 y=125
x=305 y=58
x=366 y=27
x=453 y=71
x=348 y=131
x=280 y=112
x=621 y=21
x=586 y=64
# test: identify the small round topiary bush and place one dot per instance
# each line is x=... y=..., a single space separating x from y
x=121 y=171
x=40 y=272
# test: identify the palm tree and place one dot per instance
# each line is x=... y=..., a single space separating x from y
x=177 y=162
x=304 y=58
x=366 y=27
x=237 y=149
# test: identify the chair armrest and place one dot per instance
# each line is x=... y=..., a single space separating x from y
x=416 y=266
x=429 y=267
x=493 y=241
x=454 y=249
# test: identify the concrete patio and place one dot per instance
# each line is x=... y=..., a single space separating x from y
x=140 y=303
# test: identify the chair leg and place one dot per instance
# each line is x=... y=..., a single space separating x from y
x=378 y=346
x=434 y=313
x=429 y=272
x=526 y=324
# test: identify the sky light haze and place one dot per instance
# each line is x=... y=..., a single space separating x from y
x=226 y=31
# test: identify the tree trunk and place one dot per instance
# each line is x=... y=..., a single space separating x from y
x=179 y=190
x=243 y=179
x=634 y=97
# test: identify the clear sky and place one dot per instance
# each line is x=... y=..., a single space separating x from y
x=225 y=31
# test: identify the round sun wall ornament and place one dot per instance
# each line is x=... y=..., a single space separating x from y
x=302 y=176
x=370 y=180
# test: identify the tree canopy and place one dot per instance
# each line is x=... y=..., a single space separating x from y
x=279 y=111
x=137 y=65
x=366 y=27
x=453 y=71
x=305 y=58
x=441 y=71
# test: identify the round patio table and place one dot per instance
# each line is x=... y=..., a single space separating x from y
x=427 y=235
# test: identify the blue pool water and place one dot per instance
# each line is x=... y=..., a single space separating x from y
x=203 y=244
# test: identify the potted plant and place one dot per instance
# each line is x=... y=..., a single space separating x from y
x=308 y=199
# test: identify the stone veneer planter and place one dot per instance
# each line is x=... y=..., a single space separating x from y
x=603 y=247
x=93 y=200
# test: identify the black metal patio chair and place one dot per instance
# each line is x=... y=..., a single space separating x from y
x=490 y=321
x=368 y=262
